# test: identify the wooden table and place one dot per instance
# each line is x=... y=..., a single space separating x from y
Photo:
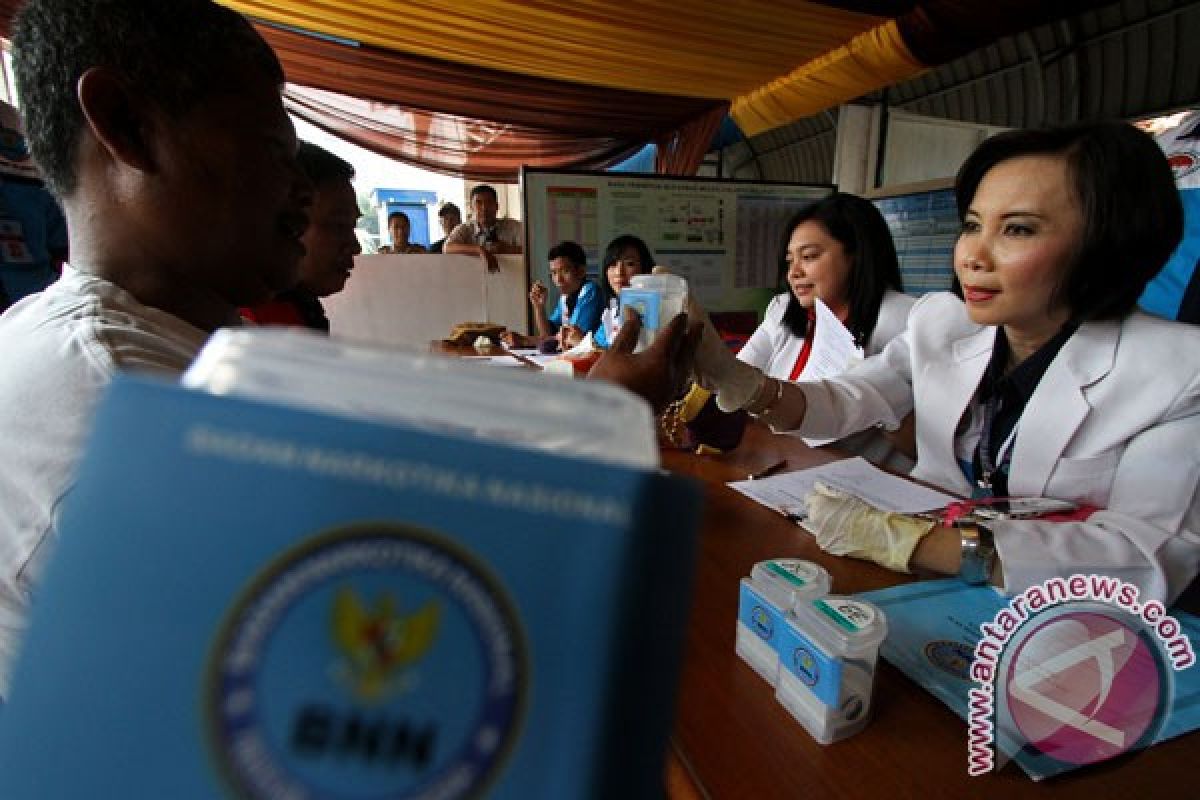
x=445 y=347
x=733 y=740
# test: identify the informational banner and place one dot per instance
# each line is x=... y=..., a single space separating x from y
x=924 y=226
x=723 y=236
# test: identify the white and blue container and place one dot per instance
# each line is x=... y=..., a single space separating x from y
x=774 y=589
x=657 y=299
x=828 y=648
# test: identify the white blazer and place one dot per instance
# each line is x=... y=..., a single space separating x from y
x=1114 y=423
x=774 y=349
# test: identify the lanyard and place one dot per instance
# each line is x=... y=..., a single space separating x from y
x=1004 y=457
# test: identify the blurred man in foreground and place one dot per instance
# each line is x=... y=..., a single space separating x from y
x=161 y=129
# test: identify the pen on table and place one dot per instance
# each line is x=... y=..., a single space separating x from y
x=767 y=472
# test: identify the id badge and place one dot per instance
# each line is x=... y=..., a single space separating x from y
x=1023 y=508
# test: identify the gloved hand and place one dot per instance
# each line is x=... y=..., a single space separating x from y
x=734 y=382
x=846 y=526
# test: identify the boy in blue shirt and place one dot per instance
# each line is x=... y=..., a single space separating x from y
x=579 y=305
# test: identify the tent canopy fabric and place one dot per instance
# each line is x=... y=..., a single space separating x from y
x=617 y=74
x=478 y=89
x=701 y=48
x=448 y=143
x=477 y=122
x=775 y=60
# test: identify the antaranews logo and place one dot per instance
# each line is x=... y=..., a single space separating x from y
x=1076 y=669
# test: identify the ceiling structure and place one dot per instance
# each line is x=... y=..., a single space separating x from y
x=1123 y=60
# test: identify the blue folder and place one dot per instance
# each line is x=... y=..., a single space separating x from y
x=933 y=628
x=248 y=600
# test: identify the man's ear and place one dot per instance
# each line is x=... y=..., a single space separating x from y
x=119 y=120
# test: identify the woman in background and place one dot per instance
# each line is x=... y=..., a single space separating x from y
x=624 y=257
x=400 y=227
x=840 y=250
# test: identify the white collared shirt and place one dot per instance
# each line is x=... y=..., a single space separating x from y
x=61 y=347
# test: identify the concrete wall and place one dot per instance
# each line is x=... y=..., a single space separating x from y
x=916 y=148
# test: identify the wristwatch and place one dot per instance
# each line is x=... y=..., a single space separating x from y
x=978 y=553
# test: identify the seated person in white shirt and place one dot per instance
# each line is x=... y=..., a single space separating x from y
x=1046 y=382
x=485 y=235
x=161 y=129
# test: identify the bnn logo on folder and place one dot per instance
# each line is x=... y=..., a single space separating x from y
x=255 y=601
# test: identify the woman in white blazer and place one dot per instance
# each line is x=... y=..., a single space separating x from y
x=1042 y=381
x=838 y=249
x=773 y=348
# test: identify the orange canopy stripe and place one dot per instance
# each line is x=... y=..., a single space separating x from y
x=870 y=61
x=703 y=48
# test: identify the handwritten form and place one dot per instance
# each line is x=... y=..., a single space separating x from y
x=856 y=476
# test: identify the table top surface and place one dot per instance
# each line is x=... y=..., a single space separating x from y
x=734 y=740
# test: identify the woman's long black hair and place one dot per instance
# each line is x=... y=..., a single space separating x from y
x=860 y=228
x=612 y=254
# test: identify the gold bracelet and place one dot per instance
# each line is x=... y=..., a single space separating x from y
x=774 y=401
x=671 y=422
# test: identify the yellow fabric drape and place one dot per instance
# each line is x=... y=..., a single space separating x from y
x=703 y=48
x=870 y=61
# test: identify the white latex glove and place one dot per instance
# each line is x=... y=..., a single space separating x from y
x=734 y=382
x=846 y=526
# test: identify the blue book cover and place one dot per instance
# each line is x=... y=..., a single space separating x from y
x=934 y=628
x=247 y=600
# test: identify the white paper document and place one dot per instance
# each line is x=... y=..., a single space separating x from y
x=542 y=359
x=496 y=361
x=833 y=348
x=786 y=493
x=534 y=355
x=833 y=352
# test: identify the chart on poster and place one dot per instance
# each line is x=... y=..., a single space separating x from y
x=723 y=236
